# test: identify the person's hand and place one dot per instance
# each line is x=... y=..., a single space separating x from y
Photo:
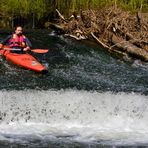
x=26 y=49
x=1 y=45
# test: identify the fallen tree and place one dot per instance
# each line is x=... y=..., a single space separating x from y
x=129 y=48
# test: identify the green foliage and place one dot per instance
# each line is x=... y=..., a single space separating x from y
x=24 y=7
x=66 y=6
x=43 y=7
x=39 y=8
x=134 y=5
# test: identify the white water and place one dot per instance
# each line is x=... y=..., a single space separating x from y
x=77 y=115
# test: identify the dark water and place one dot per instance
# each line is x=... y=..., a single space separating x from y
x=95 y=86
x=76 y=65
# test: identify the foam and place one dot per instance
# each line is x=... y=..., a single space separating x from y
x=80 y=115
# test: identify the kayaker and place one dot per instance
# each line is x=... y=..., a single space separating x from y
x=17 y=40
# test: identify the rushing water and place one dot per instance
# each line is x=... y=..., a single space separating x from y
x=88 y=99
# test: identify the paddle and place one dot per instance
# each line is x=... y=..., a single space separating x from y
x=32 y=50
x=39 y=50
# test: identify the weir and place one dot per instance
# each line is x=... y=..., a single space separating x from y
x=79 y=115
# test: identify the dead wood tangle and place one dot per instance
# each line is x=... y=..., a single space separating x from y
x=116 y=30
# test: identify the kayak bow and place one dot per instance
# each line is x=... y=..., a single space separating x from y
x=24 y=60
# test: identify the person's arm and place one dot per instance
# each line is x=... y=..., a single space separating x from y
x=5 y=41
x=28 y=44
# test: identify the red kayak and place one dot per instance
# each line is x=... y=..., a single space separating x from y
x=24 y=60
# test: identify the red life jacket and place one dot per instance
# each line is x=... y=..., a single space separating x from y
x=17 y=41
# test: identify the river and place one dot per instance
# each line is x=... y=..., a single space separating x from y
x=88 y=99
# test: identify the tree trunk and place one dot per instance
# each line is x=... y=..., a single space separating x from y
x=130 y=48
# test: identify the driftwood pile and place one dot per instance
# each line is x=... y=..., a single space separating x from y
x=112 y=28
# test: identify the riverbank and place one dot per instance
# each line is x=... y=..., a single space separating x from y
x=116 y=30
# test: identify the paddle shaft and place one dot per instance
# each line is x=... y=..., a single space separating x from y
x=33 y=50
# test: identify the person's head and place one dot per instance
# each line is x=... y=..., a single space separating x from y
x=19 y=30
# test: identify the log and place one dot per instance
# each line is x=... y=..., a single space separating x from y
x=130 y=48
x=75 y=37
x=55 y=27
x=115 y=51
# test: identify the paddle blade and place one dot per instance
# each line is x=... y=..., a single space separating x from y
x=40 y=50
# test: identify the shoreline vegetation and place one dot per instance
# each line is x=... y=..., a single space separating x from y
x=120 y=26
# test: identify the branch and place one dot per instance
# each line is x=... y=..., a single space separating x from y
x=61 y=16
x=97 y=39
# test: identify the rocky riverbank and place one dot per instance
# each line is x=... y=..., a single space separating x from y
x=114 y=29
